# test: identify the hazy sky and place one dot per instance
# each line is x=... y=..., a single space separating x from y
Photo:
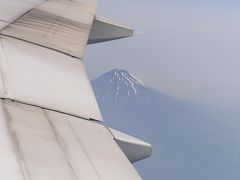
x=189 y=49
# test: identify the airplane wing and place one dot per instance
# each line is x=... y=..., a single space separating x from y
x=50 y=123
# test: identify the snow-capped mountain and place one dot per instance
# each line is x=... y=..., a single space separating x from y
x=190 y=141
x=120 y=81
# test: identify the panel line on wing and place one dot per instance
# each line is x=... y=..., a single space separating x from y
x=4 y=72
x=4 y=21
x=33 y=105
x=24 y=40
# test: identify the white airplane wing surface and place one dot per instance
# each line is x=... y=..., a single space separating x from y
x=50 y=123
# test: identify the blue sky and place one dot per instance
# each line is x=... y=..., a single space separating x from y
x=188 y=49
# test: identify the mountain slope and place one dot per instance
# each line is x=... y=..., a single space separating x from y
x=191 y=141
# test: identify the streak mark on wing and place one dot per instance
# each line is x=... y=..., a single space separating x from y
x=83 y=148
x=16 y=145
x=61 y=143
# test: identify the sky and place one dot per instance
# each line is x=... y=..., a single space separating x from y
x=188 y=49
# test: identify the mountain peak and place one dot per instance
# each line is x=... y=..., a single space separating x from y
x=121 y=81
x=121 y=74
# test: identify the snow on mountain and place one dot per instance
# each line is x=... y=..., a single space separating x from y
x=190 y=141
x=121 y=81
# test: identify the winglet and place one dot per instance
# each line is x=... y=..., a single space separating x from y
x=103 y=31
x=135 y=149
